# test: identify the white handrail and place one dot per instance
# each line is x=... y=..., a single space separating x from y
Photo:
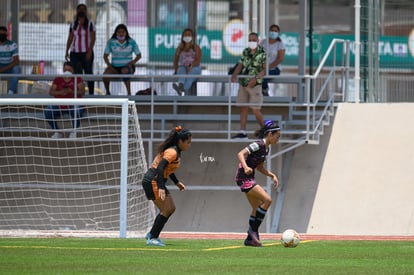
x=328 y=52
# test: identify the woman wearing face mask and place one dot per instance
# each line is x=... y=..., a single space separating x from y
x=253 y=64
x=275 y=50
x=121 y=47
x=81 y=40
x=64 y=87
x=187 y=60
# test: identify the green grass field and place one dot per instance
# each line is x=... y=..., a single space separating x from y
x=185 y=256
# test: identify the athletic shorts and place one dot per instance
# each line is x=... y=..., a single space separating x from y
x=253 y=96
x=246 y=184
x=149 y=184
x=130 y=70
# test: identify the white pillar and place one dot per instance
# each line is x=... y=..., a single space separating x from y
x=357 y=49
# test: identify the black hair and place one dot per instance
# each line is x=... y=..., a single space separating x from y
x=254 y=33
x=124 y=27
x=76 y=21
x=176 y=134
x=274 y=26
x=67 y=63
x=81 y=5
x=278 y=28
x=269 y=127
x=3 y=28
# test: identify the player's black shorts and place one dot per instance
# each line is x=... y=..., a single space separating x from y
x=149 y=184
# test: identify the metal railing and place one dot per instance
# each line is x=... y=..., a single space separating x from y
x=321 y=104
x=301 y=88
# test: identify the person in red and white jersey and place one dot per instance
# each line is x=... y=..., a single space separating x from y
x=81 y=41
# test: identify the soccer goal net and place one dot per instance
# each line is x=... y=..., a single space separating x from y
x=66 y=171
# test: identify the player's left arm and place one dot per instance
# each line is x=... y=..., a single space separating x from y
x=178 y=183
x=268 y=173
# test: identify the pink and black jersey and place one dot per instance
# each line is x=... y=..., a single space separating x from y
x=257 y=155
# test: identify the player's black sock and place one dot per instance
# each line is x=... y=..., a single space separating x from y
x=251 y=221
x=260 y=214
x=158 y=225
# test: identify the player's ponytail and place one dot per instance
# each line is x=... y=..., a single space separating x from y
x=176 y=134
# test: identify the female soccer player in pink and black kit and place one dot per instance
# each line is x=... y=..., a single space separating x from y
x=252 y=158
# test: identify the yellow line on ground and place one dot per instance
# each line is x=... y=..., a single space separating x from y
x=132 y=248
x=235 y=246
x=239 y=246
x=222 y=248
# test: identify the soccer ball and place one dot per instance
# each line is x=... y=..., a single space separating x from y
x=290 y=238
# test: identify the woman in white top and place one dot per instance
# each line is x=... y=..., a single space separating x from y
x=275 y=50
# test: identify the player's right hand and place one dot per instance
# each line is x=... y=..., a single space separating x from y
x=248 y=170
x=161 y=193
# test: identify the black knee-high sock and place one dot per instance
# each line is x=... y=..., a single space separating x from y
x=260 y=214
x=251 y=221
x=158 y=225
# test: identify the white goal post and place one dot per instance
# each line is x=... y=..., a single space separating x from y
x=72 y=180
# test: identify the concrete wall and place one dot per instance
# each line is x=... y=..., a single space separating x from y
x=358 y=180
x=211 y=164
x=367 y=180
x=303 y=183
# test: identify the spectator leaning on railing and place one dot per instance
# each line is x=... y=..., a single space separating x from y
x=122 y=47
x=275 y=50
x=252 y=64
x=9 y=60
x=187 y=61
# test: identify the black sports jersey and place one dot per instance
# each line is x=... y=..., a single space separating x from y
x=257 y=155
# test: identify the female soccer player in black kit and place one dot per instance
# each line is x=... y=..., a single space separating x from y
x=163 y=167
x=252 y=158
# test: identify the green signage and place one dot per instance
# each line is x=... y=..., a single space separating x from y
x=394 y=51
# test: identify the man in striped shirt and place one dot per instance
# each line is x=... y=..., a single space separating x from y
x=9 y=60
